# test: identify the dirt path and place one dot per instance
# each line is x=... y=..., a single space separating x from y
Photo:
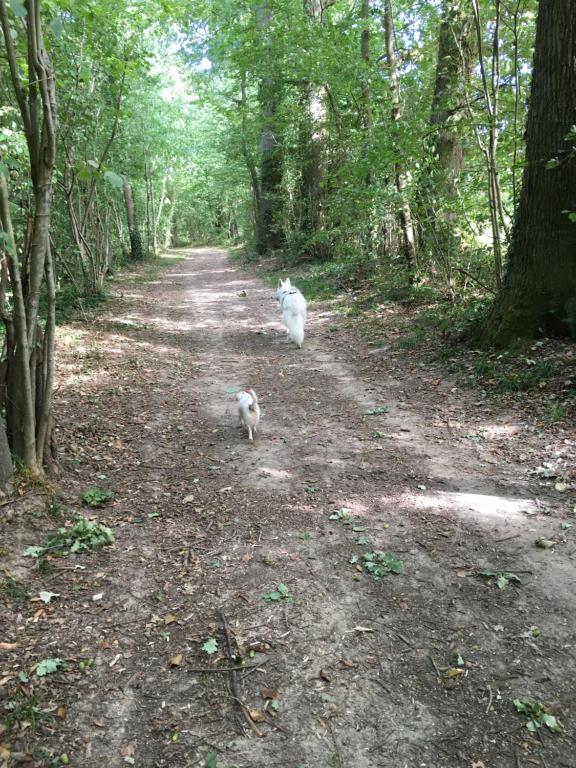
x=416 y=669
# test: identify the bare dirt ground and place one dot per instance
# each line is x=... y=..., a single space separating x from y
x=417 y=669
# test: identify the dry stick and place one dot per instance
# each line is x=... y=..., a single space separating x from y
x=434 y=665
x=490 y=697
x=222 y=669
x=336 y=745
x=472 y=277
x=234 y=679
x=517 y=757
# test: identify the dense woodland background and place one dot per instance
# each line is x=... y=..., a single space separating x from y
x=371 y=143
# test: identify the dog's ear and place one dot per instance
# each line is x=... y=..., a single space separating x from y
x=280 y=283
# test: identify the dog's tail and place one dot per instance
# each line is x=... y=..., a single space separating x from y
x=254 y=403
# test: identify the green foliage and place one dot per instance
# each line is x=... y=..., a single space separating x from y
x=501 y=578
x=377 y=411
x=210 y=646
x=277 y=595
x=381 y=563
x=49 y=666
x=537 y=716
x=13 y=591
x=96 y=497
x=83 y=536
x=506 y=374
x=20 y=708
x=343 y=515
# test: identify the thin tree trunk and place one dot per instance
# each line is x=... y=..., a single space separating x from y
x=438 y=193
x=135 y=239
x=249 y=160
x=26 y=385
x=404 y=213
x=271 y=236
x=20 y=399
x=491 y=99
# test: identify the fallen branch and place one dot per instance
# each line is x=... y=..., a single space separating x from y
x=222 y=669
x=234 y=679
x=479 y=282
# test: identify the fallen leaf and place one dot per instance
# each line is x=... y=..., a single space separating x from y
x=257 y=715
x=128 y=749
x=454 y=672
x=8 y=646
x=347 y=663
x=225 y=489
x=545 y=543
x=47 y=596
x=4 y=752
x=170 y=618
x=188 y=499
x=269 y=693
x=175 y=661
x=61 y=712
x=361 y=629
x=324 y=676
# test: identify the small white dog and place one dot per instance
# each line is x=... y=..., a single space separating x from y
x=293 y=306
x=248 y=411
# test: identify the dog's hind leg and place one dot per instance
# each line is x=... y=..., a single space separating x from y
x=250 y=433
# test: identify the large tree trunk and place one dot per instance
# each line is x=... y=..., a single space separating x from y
x=538 y=294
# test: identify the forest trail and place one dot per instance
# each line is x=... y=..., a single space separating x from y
x=415 y=669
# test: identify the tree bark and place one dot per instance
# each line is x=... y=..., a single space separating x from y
x=271 y=235
x=6 y=468
x=453 y=69
x=29 y=383
x=404 y=211
x=538 y=294
x=136 y=251
x=438 y=190
x=312 y=145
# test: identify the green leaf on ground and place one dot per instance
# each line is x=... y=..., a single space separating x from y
x=48 y=666
x=381 y=563
x=210 y=646
x=537 y=715
x=95 y=496
x=33 y=552
x=280 y=593
x=502 y=578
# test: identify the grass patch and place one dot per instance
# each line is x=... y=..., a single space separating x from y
x=504 y=374
x=20 y=710
x=13 y=591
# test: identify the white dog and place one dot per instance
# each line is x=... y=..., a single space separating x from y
x=248 y=411
x=293 y=306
